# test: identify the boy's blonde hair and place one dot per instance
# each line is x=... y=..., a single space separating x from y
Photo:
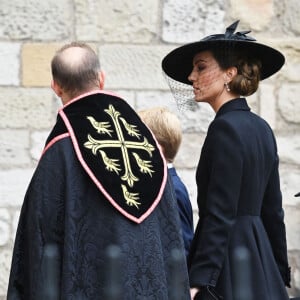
x=166 y=128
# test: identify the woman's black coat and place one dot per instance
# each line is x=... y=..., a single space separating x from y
x=240 y=205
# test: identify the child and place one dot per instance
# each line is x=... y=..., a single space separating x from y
x=166 y=127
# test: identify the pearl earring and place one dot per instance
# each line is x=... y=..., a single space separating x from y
x=227 y=87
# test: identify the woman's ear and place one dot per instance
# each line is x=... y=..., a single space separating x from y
x=101 y=79
x=230 y=73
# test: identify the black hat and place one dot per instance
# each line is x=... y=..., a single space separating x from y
x=179 y=62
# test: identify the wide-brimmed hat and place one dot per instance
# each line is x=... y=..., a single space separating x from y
x=179 y=62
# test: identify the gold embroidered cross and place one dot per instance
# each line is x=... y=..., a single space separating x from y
x=111 y=164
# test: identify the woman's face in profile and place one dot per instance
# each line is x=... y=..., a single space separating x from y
x=206 y=77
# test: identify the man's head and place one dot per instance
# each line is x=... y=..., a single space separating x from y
x=75 y=70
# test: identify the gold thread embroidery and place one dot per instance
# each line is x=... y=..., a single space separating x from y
x=130 y=197
x=101 y=127
x=113 y=165
x=145 y=166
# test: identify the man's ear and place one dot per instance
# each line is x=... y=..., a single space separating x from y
x=56 y=88
x=101 y=79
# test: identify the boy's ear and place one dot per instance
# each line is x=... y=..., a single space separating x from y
x=101 y=79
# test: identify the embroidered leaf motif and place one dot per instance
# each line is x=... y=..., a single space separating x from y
x=101 y=127
x=129 y=177
x=112 y=112
x=121 y=129
x=111 y=164
x=92 y=144
x=145 y=165
x=131 y=129
x=147 y=146
x=131 y=198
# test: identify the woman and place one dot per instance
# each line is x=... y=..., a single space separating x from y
x=239 y=198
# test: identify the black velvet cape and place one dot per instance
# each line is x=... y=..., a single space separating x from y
x=70 y=217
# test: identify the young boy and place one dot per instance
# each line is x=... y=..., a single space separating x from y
x=166 y=128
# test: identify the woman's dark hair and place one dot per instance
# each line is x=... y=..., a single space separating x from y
x=246 y=81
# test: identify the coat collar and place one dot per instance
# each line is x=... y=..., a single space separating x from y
x=235 y=104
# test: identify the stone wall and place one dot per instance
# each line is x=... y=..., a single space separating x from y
x=131 y=37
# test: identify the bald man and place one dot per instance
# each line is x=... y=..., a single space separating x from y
x=101 y=184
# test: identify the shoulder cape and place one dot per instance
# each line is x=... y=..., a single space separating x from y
x=117 y=151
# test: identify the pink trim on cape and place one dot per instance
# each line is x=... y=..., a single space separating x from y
x=88 y=94
x=54 y=140
x=93 y=177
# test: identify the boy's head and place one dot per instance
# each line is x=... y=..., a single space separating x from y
x=166 y=128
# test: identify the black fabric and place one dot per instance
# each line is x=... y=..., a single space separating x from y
x=63 y=208
x=208 y=293
x=58 y=129
x=119 y=150
x=240 y=205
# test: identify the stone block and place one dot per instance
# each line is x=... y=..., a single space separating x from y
x=4 y=227
x=14 y=148
x=289 y=104
x=250 y=13
x=38 y=139
x=36 y=20
x=190 y=21
x=289 y=180
x=26 y=108
x=15 y=223
x=189 y=151
x=5 y=262
x=294 y=261
x=132 y=21
x=267 y=104
x=14 y=183
x=197 y=120
x=291 y=16
x=292 y=222
x=10 y=62
x=36 y=64
x=148 y=99
x=289 y=149
x=188 y=178
x=291 y=68
x=133 y=67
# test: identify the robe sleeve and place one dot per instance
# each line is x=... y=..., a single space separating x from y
x=39 y=235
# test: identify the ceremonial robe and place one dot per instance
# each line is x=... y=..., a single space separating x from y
x=100 y=183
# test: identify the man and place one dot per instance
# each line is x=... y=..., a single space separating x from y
x=100 y=184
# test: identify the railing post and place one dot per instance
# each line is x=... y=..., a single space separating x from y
x=113 y=287
x=242 y=274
